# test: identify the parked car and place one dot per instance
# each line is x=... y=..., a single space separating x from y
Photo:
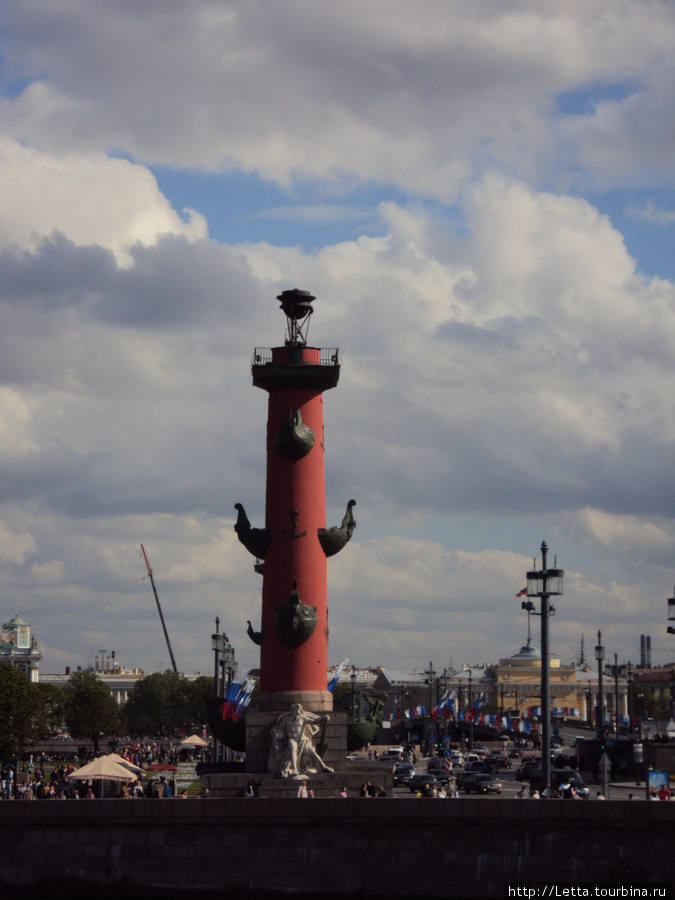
x=418 y=783
x=558 y=777
x=442 y=776
x=482 y=784
x=497 y=760
x=526 y=767
x=395 y=753
x=461 y=777
x=403 y=773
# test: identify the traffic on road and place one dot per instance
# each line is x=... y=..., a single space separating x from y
x=505 y=772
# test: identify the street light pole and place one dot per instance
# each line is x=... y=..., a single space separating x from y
x=432 y=729
x=671 y=613
x=470 y=711
x=604 y=762
x=545 y=583
x=600 y=716
x=215 y=644
x=353 y=692
x=617 y=671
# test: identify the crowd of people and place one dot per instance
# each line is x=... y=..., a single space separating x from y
x=44 y=776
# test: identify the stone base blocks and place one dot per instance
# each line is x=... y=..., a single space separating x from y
x=384 y=847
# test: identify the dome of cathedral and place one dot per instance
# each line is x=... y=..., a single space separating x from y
x=528 y=651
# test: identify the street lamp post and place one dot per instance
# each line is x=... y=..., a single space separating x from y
x=618 y=670
x=470 y=711
x=224 y=669
x=432 y=729
x=443 y=697
x=671 y=614
x=600 y=717
x=615 y=671
x=545 y=583
x=604 y=762
x=353 y=676
x=215 y=646
x=629 y=676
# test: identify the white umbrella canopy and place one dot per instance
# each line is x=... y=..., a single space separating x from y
x=194 y=741
x=121 y=761
x=102 y=769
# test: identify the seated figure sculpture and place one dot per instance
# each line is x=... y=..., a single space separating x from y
x=292 y=753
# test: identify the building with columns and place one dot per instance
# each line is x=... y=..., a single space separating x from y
x=119 y=681
x=510 y=687
x=20 y=648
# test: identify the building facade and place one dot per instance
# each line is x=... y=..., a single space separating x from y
x=20 y=648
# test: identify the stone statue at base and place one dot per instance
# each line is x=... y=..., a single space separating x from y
x=292 y=754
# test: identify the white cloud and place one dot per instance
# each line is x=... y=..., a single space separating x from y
x=652 y=213
x=466 y=388
x=409 y=94
x=15 y=547
x=506 y=369
x=88 y=199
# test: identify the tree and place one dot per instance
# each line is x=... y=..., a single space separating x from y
x=90 y=708
x=196 y=694
x=52 y=707
x=166 y=701
x=156 y=703
x=343 y=698
x=20 y=710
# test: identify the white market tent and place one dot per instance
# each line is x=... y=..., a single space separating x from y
x=121 y=761
x=194 y=741
x=102 y=769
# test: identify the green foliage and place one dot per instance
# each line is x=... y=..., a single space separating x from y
x=52 y=708
x=644 y=700
x=90 y=709
x=647 y=703
x=196 y=693
x=164 y=702
x=21 y=710
x=342 y=698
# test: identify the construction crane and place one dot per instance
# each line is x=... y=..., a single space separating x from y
x=159 y=609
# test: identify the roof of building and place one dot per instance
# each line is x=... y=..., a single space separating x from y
x=527 y=651
x=15 y=622
x=403 y=676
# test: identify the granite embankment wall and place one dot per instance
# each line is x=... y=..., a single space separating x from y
x=386 y=847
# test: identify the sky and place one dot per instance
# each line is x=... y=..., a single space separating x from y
x=481 y=196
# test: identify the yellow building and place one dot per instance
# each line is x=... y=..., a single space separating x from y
x=574 y=688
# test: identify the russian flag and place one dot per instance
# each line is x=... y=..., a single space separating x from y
x=340 y=670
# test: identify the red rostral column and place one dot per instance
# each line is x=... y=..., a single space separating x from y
x=295 y=543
